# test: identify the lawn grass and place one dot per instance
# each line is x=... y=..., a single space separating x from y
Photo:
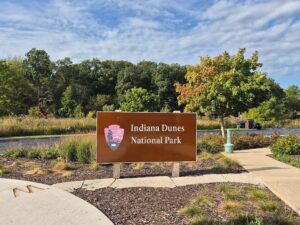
x=289 y=159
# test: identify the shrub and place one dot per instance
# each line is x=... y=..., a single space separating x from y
x=35 y=154
x=84 y=152
x=34 y=111
x=61 y=165
x=208 y=147
x=289 y=145
x=16 y=153
x=8 y=153
x=3 y=170
x=69 y=150
x=108 y=108
x=51 y=153
x=91 y=114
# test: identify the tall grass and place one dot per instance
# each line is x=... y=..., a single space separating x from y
x=80 y=149
x=26 y=126
x=208 y=124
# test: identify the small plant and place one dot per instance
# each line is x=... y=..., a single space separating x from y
x=95 y=166
x=269 y=206
x=202 y=200
x=8 y=153
x=3 y=170
x=50 y=153
x=190 y=211
x=232 y=207
x=259 y=195
x=20 y=153
x=38 y=171
x=228 y=163
x=245 y=220
x=35 y=154
x=202 y=220
x=84 y=152
x=157 y=165
x=16 y=153
x=61 y=165
x=69 y=150
x=138 y=166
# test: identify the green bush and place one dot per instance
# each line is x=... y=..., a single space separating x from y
x=252 y=141
x=35 y=154
x=84 y=152
x=208 y=147
x=16 y=153
x=51 y=153
x=8 y=153
x=215 y=143
x=289 y=145
x=69 y=150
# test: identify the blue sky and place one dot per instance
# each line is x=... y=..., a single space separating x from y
x=159 y=30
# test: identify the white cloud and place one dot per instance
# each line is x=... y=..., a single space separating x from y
x=156 y=30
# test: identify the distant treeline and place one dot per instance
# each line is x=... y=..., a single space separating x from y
x=36 y=85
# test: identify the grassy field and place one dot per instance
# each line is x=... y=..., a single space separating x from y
x=29 y=126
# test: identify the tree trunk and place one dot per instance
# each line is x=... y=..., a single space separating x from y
x=222 y=124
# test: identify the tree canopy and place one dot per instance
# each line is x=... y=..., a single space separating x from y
x=225 y=85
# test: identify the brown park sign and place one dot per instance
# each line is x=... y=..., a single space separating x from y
x=145 y=137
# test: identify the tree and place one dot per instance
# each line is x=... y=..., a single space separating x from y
x=267 y=112
x=292 y=102
x=38 y=69
x=15 y=91
x=224 y=85
x=139 y=100
x=68 y=102
x=139 y=75
x=164 y=79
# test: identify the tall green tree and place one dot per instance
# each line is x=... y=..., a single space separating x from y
x=164 y=78
x=224 y=85
x=68 y=102
x=65 y=73
x=292 y=102
x=139 y=75
x=139 y=100
x=38 y=69
x=267 y=112
x=15 y=91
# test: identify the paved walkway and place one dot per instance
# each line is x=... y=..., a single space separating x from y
x=282 y=179
x=158 y=181
x=29 y=203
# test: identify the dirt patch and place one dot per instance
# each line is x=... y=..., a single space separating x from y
x=18 y=166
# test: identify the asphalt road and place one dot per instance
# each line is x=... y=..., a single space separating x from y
x=6 y=143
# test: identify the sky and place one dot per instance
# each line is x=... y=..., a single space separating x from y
x=170 y=31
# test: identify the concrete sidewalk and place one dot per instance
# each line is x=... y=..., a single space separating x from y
x=28 y=203
x=158 y=181
x=282 y=179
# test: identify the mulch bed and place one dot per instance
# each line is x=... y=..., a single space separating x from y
x=159 y=206
x=83 y=171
